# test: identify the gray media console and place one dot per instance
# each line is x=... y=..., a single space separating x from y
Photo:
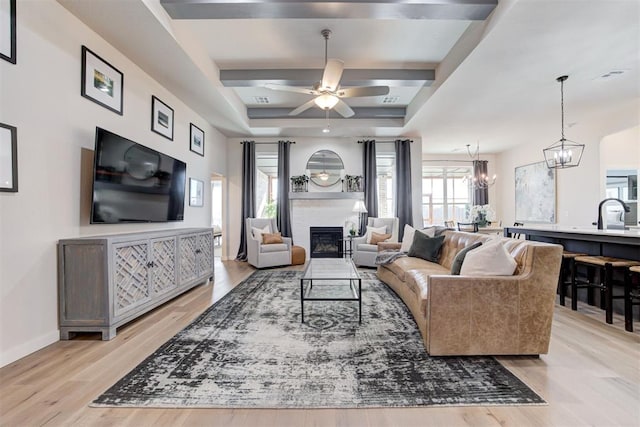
x=107 y=281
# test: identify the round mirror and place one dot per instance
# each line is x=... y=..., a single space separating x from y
x=325 y=168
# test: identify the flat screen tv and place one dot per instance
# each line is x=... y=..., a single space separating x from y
x=134 y=183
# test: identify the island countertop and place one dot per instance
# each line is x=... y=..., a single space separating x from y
x=590 y=240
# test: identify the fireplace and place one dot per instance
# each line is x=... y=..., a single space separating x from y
x=326 y=242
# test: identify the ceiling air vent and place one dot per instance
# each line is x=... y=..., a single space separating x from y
x=390 y=99
x=261 y=99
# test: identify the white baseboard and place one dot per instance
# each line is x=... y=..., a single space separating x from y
x=25 y=349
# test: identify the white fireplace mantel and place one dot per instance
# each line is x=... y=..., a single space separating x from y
x=326 y=195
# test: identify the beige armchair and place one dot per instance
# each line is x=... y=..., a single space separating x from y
x=260 y=255
x=364 y=254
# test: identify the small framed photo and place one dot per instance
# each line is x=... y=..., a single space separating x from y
x=161 y=118
x=8 y=30
x=101 y=82
x=196 y=192
x=8 y=158
x=197 y=140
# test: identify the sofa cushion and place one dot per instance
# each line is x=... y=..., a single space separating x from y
x=407 y=237
x=276 y=247
x=377 y=237
x=400 y=266
x=454 y=241
x=424 y=247
x=364 y=247
x=459 y=259
x=370 y=229
x=490 y=259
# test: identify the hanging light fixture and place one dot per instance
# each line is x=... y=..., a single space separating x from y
x=483 y=180
x=326 y=101
x=564 y=153
x=326 y=129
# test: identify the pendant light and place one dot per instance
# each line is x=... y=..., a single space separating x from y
x=564 y=153
x=481 y=180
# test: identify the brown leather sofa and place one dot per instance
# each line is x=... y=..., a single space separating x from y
x=483 y=315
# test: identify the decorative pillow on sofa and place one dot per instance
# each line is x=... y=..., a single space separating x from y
x=271 y=238
x=490 y=259
x=377 y=238
x=426 y=247
x=456 y=265
x=370 y=229
x=407 y=237
x=258 y=232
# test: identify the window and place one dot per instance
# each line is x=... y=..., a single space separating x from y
x=386 y=170
x=446 y=194
x=266 y=184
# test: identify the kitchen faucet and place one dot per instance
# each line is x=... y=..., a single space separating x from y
x=624 y=205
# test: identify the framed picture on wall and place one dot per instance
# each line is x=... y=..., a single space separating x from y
x=535 y=193
x=196 y=192
x=161 y=118
x=101 y=82
x=8 y=30
x=197 y=140
x=8 y=158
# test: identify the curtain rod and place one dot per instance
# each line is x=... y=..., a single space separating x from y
x=386 y=141
x=452 y=161
x=261 y=143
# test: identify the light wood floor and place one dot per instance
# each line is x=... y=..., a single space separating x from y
x=591 y=376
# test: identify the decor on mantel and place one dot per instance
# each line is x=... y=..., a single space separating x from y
x=563 y=154
x=352 y=183
x=479 y=178
x=299 y=183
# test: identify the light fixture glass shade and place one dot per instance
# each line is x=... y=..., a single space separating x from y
x=563 y=154
x=359 y=207
x=323 y=176
x=326 y=101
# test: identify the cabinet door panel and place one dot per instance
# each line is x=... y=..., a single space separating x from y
x=131 y=276
x=163 y=272
x=188 y=265
x=205 y=254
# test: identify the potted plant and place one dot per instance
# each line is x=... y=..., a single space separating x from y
x=299 y=183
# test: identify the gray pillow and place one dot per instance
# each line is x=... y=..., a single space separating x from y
x=456 y=265
x=425 y=247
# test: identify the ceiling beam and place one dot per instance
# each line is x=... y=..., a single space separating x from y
x=471 y=10
x=316 y=113
x=308 y=77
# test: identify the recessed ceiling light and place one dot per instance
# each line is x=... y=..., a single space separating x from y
x=261 y=99
x=610 y=74
x=326 y=130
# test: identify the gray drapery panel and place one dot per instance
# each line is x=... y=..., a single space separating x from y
x=283 y=213
x=248 y=193
x=370 y=177
x=404 y=206
x=480 y=195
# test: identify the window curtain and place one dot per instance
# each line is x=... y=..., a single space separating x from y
x=370 y=189
x=480 y=195
x=283 y=212
x=248 y=193
x=404 y=208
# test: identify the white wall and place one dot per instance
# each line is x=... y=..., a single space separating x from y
x=56 y=126
x=347 y=148
x=579 y=189
x=620 y=150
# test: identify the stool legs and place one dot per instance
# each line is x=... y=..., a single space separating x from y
x=608 y=292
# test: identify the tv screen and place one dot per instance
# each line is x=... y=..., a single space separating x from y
x=134 y=183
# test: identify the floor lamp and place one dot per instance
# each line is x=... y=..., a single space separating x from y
x=360 y=209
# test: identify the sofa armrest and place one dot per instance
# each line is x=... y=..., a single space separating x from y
x=385 y=246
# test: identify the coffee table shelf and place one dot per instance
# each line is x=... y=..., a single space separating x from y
x=331 y=279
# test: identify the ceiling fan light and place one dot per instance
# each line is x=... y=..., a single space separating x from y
x=326 y=101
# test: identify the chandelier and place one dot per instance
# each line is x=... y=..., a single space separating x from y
x=564 y=153
x=478 y=180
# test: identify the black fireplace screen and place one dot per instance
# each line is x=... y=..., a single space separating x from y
x=326 y=242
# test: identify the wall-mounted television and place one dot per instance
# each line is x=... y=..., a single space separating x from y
x=134 y=183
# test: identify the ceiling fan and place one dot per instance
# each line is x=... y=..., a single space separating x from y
x=328 y=93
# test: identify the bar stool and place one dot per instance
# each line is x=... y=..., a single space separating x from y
x=631 y=297
x=567 y=268
x=605 y=266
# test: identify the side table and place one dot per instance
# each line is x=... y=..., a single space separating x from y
x=348 y=245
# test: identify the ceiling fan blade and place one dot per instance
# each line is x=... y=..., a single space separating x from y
x=332 y=74
x=284 y=88
x=352 y=92
x=343 y=109
x=303 y=107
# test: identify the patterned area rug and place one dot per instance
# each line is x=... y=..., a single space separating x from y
x=249 y=350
